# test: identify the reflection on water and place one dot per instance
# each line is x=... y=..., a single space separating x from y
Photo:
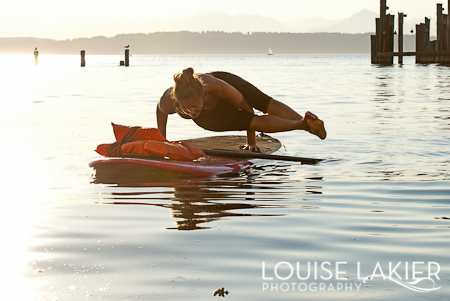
x=406 y=123
x=194 y=202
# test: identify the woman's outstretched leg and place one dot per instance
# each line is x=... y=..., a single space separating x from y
x=281 y=110
x=311 y=123
x=282 y=118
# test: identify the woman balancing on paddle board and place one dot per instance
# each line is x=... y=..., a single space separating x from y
x=221 y=101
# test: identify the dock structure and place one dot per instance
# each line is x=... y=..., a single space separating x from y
x=427 y=51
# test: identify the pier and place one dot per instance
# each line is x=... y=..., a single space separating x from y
x=427 y=52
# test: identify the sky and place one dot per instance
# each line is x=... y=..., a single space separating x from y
x=68 y=19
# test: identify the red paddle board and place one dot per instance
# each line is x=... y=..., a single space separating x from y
x=120 y=169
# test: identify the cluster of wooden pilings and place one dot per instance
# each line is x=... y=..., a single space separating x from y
x=126 y=62
x=437 y=51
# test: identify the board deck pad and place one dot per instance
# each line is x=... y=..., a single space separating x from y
x=266 y=143
x=130 y=170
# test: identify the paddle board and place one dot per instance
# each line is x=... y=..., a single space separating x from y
x=113 y=169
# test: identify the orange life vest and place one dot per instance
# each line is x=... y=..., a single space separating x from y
x=147 y=142
x=139 y=133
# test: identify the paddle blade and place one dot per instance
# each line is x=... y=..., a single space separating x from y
x=248 y=155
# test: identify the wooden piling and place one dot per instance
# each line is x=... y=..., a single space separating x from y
x=444 y=58
x=448 y=33
x=423 y=43
x=400 y=37
x=127 y=57
x=373 y=49
x=427 y=42
x=383 y=8
x=83 y=61
x=376 y=42
x=383 y=41
x=419 y=44
x=36 y=57
x=440 y=26
x=390 y=21
x=440 y=29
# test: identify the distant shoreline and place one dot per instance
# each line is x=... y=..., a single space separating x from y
x=185 y=42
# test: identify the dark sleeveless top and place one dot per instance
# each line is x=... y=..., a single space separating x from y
x=223 y=116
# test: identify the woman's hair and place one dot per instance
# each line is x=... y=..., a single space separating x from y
x=187 y=85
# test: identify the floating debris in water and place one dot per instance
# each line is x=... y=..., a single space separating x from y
x=221 y=292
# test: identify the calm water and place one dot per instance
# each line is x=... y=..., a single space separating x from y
x=379 y=205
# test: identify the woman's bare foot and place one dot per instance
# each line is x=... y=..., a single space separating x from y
x=311 y=123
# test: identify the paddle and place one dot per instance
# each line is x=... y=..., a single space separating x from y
x=240 y=155
x=248 y=155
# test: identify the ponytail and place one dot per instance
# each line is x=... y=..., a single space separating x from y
x=187 y=85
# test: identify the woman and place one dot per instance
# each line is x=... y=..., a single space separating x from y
x=221 y=101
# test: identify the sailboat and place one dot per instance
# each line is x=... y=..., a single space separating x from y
x=270 y=51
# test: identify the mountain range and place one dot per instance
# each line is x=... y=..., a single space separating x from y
x=217 y=20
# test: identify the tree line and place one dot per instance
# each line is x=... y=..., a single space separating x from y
x=200 y=43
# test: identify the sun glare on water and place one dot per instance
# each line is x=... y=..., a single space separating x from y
x=22 y=80
x=24 y=183
x=23 y=188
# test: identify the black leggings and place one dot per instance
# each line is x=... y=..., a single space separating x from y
x=226 y=117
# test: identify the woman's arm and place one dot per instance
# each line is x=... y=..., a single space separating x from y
x=234 y=97
x=163 y=109
x=251 y=142
x=161 y=119
x=224 y=91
